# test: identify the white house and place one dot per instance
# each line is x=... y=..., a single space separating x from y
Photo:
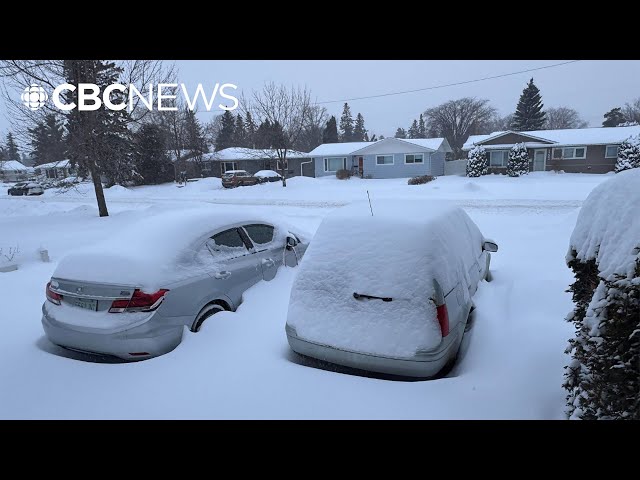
x=53 y=170
x=13 y=171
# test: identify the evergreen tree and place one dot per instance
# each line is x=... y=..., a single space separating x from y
x=374 y=139
x=518 y=163
x=239 y=133
x=400 y=133
x=628 y=154
x=152 y=162
x=413 y=130
x=359 y=131
x=226 y=134
x=11 y=148
x=422 y=129
x=250 y=131
x=529 y=114
x=330 y=133
x=477 y=163
x=47 y=140
x=346 y=124
x=366 y=137
x=263 y=135
x=614 y=117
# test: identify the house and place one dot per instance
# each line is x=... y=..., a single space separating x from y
x=254 y=160
x=55 y=170
x=585 y=150
x=13 y=171
x=386 y=158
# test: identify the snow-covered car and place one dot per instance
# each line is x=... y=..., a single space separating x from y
x=26 y=188
x=238 y=178
x=268 y=176
x=389 y=293
x=131 y=296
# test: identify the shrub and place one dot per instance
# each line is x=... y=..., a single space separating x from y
x=421 y=180
x=628 y=154
x=477 y=164
x=343 y=174
x=518 y=163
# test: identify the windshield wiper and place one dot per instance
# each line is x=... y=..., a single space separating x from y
x=358 y=296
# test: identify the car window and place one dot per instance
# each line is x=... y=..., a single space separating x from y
x=260 y=234
x=227 y=244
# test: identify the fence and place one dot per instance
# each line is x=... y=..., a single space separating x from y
x=455 y=167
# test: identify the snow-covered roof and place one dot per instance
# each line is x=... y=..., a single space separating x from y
x=430 y=143
x=239 y=153
x=60 y=164
x=331 y=149
x=12 y=165
x=571 y=136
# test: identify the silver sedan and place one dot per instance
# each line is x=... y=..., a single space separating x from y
x=127 y=321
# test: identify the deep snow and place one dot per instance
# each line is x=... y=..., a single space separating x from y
x=240 y=365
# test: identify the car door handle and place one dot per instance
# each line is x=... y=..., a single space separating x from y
x=268 y=262
x=224 y=274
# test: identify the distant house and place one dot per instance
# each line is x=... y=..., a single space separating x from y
x=386 y=158
x=254 y=160
x=55 y=170
x=13 y=171
x=585 y=150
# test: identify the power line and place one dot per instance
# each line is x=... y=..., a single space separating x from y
x=448 y=84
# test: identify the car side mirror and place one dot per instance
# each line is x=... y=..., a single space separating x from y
x=291 y=242
x=490 y=246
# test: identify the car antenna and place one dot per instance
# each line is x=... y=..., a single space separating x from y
x=370 y=203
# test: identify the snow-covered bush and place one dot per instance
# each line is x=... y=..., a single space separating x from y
x=420 y=180
x=343 y=174
x=603 y=377
x=628 y=154
x=518 y=163
x=477 y=163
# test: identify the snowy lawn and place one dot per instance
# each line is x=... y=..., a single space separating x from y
x=240 y=365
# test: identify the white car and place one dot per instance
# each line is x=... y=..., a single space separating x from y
x=389 y=293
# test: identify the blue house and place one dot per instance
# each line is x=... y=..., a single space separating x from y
x=386 y=158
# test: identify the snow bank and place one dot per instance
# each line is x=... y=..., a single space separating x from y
x=395 y=253
x=158 y=249
x=608 y=226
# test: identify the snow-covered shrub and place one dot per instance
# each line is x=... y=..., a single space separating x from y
x=518 y=163
x=628 y=154
x=603 y=377
x=420 y=180
x=343 y=174
x=477 y=163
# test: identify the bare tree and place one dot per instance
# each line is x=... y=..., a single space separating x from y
x=496 y=124
x=563 y=117
x=632 y=111
x=288 y=110
x=457 y=119
x=311 y=136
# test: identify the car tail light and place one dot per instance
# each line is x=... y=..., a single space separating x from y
x=443 y=319
x=139 y=302
x=52 y=296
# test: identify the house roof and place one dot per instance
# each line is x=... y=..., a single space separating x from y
x=571 y=136
x=346 y=148
x=430 y=143
x=12 y=165
x=60 y=164
x=238 y=153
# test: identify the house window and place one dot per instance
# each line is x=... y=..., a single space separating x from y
x=384 y=159
x=413 y=158
x=226 y=166
x=333 y=164
x=611 y=151
x=570 y=153
x=498 y=158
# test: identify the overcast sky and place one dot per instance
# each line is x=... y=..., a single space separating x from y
x=591 y=87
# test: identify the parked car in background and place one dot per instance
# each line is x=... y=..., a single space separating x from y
x=268 y=176
x=26 y=188
x=169 y=271
x=388 y=293
x=238 y=178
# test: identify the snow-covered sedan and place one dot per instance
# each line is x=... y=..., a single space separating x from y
x=131 y=297
x=388 y=289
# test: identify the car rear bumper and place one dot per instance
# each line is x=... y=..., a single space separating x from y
x=422 y=366
x=147 y=337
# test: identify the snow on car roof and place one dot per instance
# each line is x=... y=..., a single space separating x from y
x=266 y=173
x=396 y=253
x=148 y=252
x=234 y=171
x=608 y=226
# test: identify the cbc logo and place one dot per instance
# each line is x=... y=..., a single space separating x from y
x=34 y=97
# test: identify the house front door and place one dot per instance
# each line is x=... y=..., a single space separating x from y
x=539 y=160
x=360 y=166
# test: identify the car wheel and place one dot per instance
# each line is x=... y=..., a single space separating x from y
x=205 y=313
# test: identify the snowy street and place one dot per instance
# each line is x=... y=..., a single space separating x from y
x=240 y=365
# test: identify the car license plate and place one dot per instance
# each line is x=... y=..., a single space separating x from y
x=87 y=303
